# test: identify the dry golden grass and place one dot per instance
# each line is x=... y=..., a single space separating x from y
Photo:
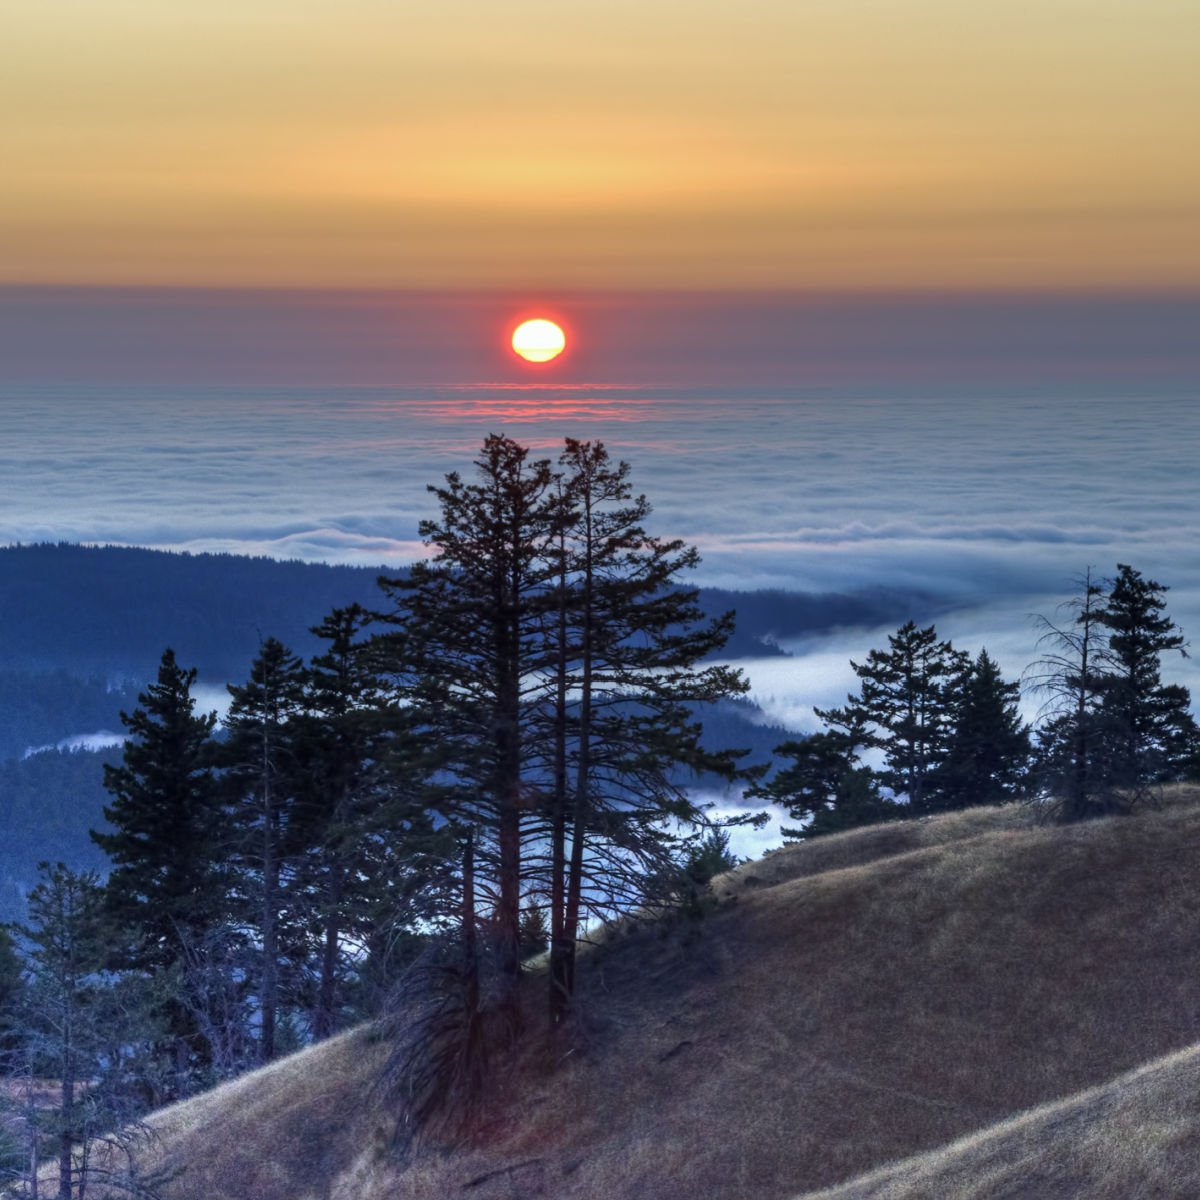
x=1135 y=1138
x=286 y=1130
x=849 y=1003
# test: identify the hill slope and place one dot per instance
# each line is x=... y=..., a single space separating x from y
x=850 y=1003
x=1138 y=1136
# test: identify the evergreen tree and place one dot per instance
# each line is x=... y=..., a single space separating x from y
x=824 y=787
x=85 y=1029
x=10 y=987
x=467 y=652
x=261 y=767
x=339 y=831
x=67 y=950
x=1113 y=728
x=906 y=704
x=1149 y=733
x=710 y=857
x=1073 y=674
x=628 y=647
x=550 y=653
x=988 y=751
x=166 y=887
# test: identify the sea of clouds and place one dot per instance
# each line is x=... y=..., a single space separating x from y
x=988 y=505
x=980 y=451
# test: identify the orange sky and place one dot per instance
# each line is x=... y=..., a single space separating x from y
x=658 y=143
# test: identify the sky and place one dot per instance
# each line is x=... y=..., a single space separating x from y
x=870 y=293
x=675 y=144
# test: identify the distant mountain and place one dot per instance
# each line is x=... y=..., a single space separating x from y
x=48 y=802
x=111 y=610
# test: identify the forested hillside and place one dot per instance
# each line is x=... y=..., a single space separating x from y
x=50 y=801
x=111 y=610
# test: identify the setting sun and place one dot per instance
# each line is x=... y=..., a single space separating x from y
x=538 y=340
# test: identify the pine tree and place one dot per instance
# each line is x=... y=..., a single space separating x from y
x=85 y=1028
x=67 y=951
x=988 y=751
x=467 y=652
x=166 y=887
x=1073 y=674
x=552 y=656
x=10 y=987
x=1149 y=733
x=906 y=703
x=338 y=832
x=824 y=787
x=629 y=649
x=260 y=762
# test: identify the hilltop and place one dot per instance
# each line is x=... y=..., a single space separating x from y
x=847 y=1004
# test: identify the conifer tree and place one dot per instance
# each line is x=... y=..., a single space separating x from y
x=337 y=831
x=629 y=649
x=824 y=787
x=1073 y=674
x=167 y=885
x=260 y=779
x=988 y=751
x=81 y=1026
x=552 y=656
x=10 y=987
x=67 y=952
x=906 y=704
x=1149 y=732
x=467 y=651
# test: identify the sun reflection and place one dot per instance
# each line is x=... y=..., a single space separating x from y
x=515 y=402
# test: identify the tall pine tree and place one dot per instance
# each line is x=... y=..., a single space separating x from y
x=907 y=702
x=1149 y=733
x=167 y=886
x=260 y=780
x=824 y=787
x=468 y=653
x=338 y=832
x=629 y=649
x=988 y=749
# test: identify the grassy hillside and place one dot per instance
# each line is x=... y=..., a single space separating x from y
x=850 y=1003
x=1138 y=1136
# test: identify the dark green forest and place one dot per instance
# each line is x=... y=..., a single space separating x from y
x=108 y=611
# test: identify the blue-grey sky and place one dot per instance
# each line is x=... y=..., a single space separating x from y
x=885 y=343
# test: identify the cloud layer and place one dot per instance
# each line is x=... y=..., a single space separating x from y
x=987 y=505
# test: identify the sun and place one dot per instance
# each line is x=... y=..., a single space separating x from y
x=539 y=340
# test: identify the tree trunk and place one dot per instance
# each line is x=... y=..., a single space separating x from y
x=508 y=797
x=66 y=1136
x=270 y=934
x=324 y=1019
x=583 y=769
x=559 y=944
x=1077 y=801
x=469 y=939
